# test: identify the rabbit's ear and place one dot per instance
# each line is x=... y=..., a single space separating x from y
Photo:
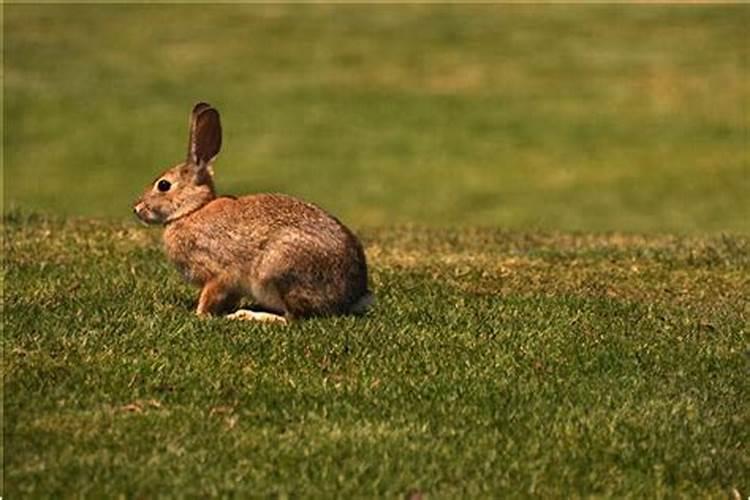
x=197 y=109
x=205 y=135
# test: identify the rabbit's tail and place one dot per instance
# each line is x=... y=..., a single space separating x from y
x=363 y=304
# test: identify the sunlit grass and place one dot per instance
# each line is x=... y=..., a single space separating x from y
x=553 y=201
x=513 y=116
x=495 y=363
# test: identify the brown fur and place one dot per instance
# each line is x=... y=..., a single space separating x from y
x=290 y=256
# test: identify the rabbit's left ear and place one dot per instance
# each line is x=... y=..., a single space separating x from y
x=205 y=135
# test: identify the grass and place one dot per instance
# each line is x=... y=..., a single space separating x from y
x=495 y=363
x=554 y=207
x=523 y=116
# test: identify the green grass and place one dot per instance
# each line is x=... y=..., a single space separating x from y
x=553 y=201
x=495 y=363
x=628 y=118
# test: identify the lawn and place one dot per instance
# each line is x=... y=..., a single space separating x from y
x=627 y=118
x=495 y=363
x=553 y=205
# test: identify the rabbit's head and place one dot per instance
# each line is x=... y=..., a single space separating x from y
x=188 y=186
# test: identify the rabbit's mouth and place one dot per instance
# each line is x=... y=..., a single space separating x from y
x=146 y=215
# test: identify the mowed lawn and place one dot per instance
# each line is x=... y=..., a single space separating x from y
x=627 y=118
x=553 y=202
x=494 y=364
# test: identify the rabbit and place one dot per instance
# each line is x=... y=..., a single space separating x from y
x=293 y=259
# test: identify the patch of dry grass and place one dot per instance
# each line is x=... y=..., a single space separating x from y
x=688 y=272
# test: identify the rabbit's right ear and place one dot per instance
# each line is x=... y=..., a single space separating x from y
x=204 y=142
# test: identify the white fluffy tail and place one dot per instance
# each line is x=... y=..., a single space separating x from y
x=363 y=304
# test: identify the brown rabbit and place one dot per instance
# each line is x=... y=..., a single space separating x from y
x=294 y=259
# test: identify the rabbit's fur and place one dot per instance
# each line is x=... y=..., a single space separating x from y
x=294 y=259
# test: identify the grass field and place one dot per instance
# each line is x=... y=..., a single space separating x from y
x=495 y=363
x=548 y=117
x=554 y=208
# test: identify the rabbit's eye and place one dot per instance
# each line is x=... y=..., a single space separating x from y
x=163 y=185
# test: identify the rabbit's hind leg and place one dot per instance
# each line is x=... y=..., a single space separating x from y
x=263 y=317
x=266 y=296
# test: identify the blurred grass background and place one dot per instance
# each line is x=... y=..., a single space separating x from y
x=585 y=117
